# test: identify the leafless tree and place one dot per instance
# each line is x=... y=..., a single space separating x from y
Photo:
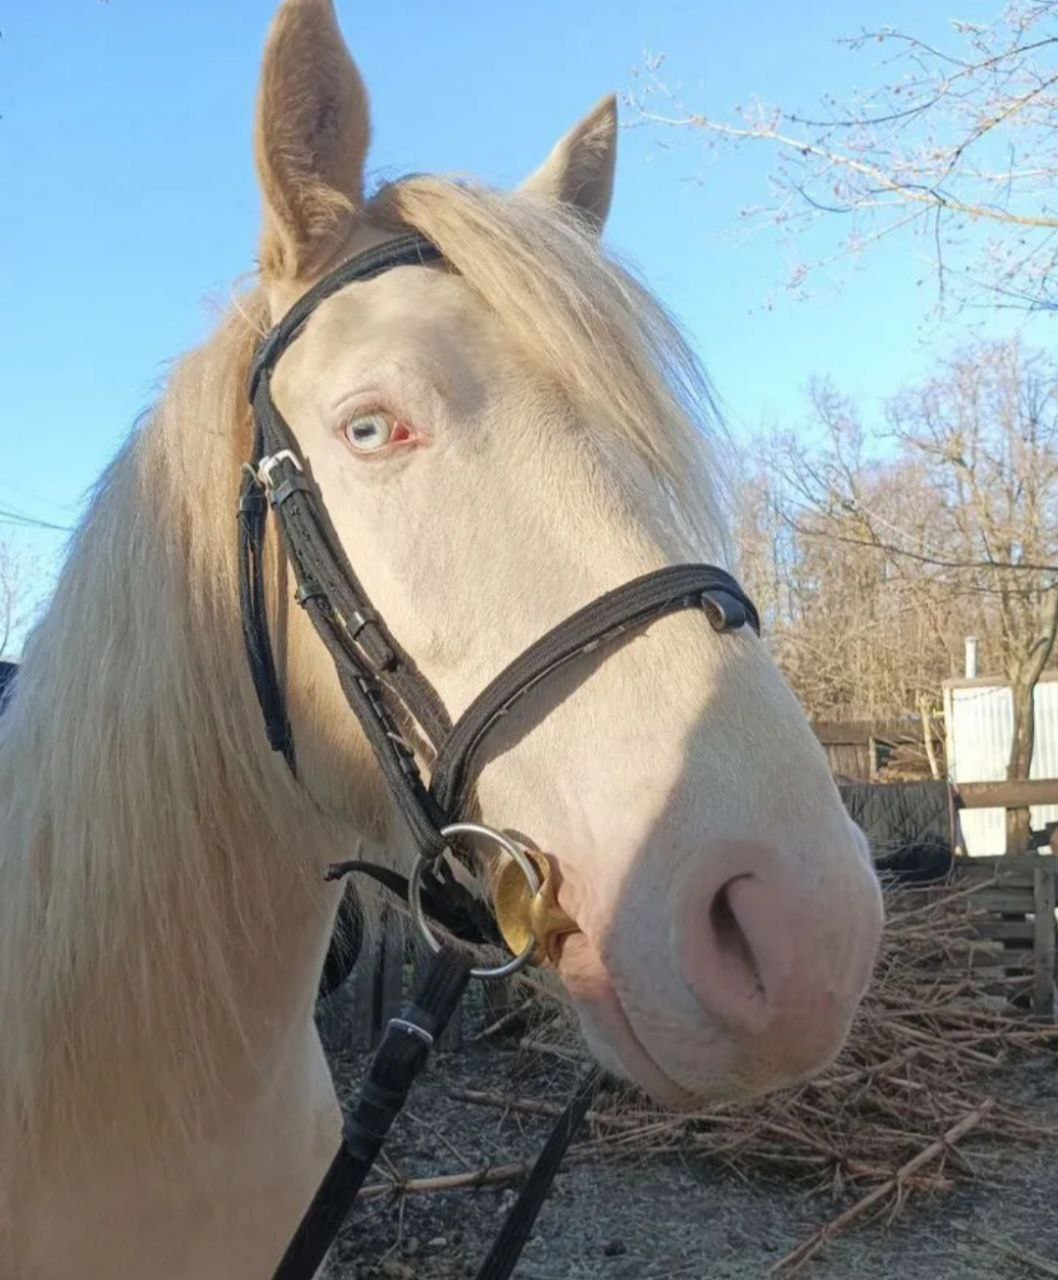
x=12 y=597
x=872 y=567
x=955 y=143
x=987 y=431
x=860 y=633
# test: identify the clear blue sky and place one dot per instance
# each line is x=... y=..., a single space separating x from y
x=128 y=204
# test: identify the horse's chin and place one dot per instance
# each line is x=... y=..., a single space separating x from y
x=614 y=1044
x=613 y=1041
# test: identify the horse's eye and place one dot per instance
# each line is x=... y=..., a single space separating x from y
x=368 y=433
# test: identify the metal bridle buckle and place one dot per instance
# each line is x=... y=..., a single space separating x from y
x=525 y=865
x=268 y=464
x=411 y=1029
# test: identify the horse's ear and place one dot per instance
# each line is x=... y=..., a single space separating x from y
x=580 y=169
x=311 y=140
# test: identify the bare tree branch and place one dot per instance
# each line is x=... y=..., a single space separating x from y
x=960 y=140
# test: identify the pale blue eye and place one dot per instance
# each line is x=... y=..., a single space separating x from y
x=369 y=432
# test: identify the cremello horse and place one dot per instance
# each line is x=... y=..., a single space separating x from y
x=497 y=445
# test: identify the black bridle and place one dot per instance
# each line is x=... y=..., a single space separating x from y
x=392 y=699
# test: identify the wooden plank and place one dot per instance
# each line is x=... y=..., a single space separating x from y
x=451 y=1038
x=362 y=1011
x=990 y=682
x=977 y=958
x=955 y=839
x=1008 y=988
x=849 y=761
x=1006 y=930
x=1008 y=795
x=391 y=972
x=1003 y=899
x=1008 y=869
x=848 y=732
x=842 y=733
x=1017 y=882
x=962 y=954
x=1043 y=942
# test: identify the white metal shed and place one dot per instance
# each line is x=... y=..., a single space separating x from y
x=979 y=725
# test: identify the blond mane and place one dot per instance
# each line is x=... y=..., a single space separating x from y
x=152 y=848
x=131 y=777
x=588 y=323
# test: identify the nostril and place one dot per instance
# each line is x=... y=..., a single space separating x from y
x=723 y=941
x=774 y=950
x=720 y=957
x=731 y=941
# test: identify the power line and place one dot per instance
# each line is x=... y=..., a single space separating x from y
x=22 y=521
x=37 y=499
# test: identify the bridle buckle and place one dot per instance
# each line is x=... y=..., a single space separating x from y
x=410 y=1028
x=269 y=463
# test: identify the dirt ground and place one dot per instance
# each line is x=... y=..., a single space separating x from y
x=675 y=1216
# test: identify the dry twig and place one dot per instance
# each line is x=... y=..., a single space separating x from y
x=487 y=1176
x=921 y=1061
x=799 y=1256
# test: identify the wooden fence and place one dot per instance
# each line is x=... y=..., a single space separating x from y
x=866 y=750
x=1007 y=795
x=1011 y=916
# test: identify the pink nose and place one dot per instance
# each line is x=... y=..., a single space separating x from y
x=776 y=945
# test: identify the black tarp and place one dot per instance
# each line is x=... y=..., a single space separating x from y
x=908 y=825
x=7 y=674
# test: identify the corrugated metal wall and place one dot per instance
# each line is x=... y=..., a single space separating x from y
x=979 y=722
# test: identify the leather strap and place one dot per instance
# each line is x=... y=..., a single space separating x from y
x=400 y=1057
x=602 y=622
x=507 y=1248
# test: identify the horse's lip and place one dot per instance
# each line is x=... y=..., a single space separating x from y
x=671 y=1092
x=620 y=1035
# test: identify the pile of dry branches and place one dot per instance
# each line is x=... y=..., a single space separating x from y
x=919 y=1075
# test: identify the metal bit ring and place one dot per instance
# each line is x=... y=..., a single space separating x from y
x=525 y=865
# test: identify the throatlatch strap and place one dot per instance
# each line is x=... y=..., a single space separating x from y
x=400 y=1057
